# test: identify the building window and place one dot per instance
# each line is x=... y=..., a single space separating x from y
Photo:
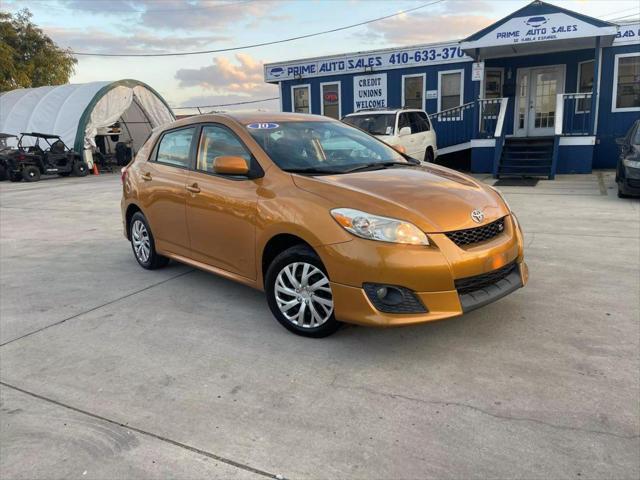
x=585 y=85
x=301 y=96
x=331 y=100
x=450 y=89
x=492 y=90
x=413 y=91
x=626 y=83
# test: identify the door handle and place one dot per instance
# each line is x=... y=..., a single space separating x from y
x=193 y=188
x=146 y=176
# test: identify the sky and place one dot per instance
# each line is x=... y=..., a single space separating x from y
x=155 y=26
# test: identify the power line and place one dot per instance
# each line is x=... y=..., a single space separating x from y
x=228 y=104
x=611 y=14
x=284 y=40
x=626 y=18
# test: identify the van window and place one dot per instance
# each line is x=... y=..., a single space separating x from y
x=174 y=147
x=217 y=141
x=418 y=124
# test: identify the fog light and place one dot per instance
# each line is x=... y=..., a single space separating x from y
x=393 y=299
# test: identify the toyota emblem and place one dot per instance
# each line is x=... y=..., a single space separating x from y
x=477 y=216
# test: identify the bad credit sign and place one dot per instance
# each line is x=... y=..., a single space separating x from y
x=370 y=91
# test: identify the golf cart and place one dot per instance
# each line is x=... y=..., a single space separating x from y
x=47 y=156
x=4 y=150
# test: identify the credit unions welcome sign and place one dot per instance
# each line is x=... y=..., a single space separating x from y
x=369 y=91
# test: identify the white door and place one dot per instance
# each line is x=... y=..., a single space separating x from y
x=536 y=100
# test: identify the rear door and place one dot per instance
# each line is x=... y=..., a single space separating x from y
x=221 y=209
x=407 y=141
x=162 y=185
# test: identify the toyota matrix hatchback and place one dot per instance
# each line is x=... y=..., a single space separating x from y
x=332 y=223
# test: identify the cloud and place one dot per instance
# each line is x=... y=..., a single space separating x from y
x=238 y=80
x=244 y=75
x=204 y=15
x=136 y=41
x=425 y=28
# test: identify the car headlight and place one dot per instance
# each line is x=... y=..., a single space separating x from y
x=501 y=196
x=374 y=227
x=632 y=162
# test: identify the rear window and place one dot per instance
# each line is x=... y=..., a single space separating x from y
x=375 y=124
x=175 y=147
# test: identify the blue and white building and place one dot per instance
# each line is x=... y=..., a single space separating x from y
x=543 y=91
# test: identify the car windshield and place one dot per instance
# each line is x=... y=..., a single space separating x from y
x=322 y=147
x=374 y=123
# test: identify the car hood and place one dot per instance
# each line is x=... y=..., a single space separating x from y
x=436 y=199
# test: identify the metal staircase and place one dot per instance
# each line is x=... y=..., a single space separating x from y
x=526 y=157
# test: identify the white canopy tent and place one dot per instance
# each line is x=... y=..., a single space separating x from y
x=76 y=112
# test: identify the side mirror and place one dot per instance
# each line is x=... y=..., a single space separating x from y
x=230 y=165
x=404 y=131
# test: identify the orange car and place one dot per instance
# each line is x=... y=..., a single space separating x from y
x=333 y=224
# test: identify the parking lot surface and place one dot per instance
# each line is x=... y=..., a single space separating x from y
x=111 y=371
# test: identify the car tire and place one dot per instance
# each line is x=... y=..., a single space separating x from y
x=80 y=169
x=293 y=300
x=621 y=194
x=428 y=155
x=30 y=173
x=143 y=244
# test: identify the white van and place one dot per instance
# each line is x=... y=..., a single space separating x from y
x=409 y=128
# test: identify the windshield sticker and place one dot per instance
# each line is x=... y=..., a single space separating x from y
x=389 y=131
x=263 y=126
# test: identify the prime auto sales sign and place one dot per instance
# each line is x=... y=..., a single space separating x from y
x=540 y=28
x=357 y=63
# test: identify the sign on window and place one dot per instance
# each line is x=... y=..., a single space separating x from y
x=370 y=91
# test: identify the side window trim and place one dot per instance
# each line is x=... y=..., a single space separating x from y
x=255 y=169
x=153 y=158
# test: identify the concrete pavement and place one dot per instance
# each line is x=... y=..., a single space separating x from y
x=111 y=371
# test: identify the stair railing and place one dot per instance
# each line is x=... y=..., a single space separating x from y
x=499 y=135
x=573 y=114
x=454 y=125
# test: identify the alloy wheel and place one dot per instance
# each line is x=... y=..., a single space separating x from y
x=140 y=241
x=303 y=295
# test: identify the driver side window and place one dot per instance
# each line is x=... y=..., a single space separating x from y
x=218 y=141
x=403 y=121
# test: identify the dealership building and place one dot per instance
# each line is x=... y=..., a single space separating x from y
x=542 y=91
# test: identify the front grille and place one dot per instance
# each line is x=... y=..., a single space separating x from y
x=478 y=234
x=633 y=183
x=471 y=284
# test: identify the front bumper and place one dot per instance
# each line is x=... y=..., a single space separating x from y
x=432 y=273
x=630 y=181
x=352 y=305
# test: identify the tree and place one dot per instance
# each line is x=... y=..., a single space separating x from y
x=28 y=57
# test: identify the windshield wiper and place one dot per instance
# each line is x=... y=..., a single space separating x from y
x=367 y=166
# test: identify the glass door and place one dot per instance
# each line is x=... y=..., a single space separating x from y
x=545 y=84
x=536 y=101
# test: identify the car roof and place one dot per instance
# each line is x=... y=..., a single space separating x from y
x=7 y=135
x=42 y=135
